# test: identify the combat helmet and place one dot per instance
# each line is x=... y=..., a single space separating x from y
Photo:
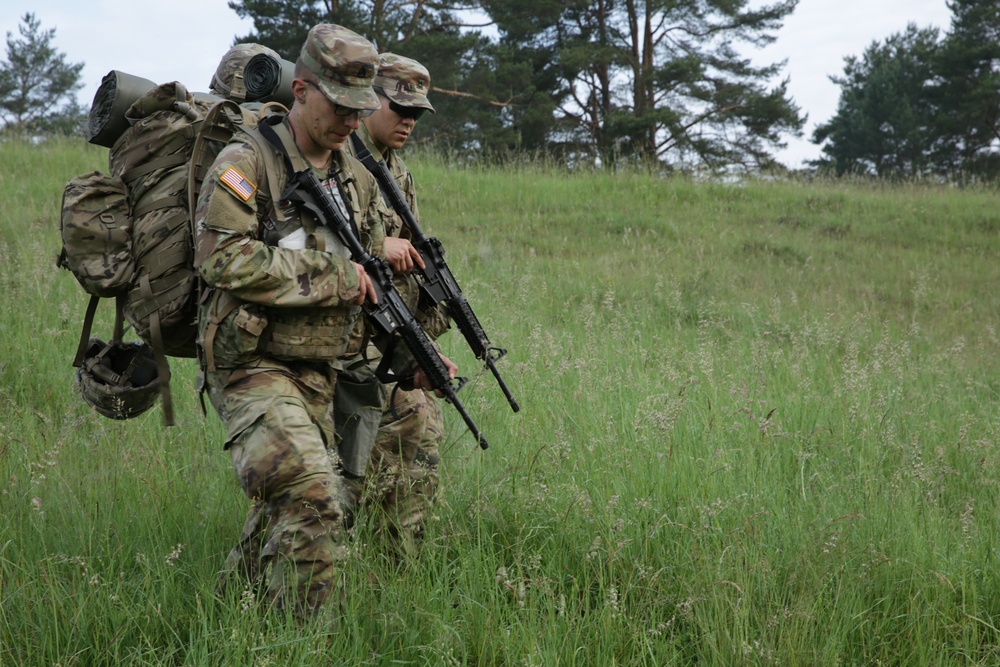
x=118 y=379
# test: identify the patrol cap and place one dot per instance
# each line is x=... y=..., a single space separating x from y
x=404 y=81
x=228 y=78
x=344 y=63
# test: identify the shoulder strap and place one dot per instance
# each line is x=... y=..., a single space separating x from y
x=293 y=190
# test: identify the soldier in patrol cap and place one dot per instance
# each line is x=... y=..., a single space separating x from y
x=402 y=478
x=283 y=308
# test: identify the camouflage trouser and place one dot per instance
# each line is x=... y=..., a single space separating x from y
x=402 y=477
x=279 y=428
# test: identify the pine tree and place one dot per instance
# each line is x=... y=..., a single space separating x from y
x=884 y=122
x=967 y=90
x=37 y=86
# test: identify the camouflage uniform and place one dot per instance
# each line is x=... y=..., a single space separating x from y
x=276 y=319
x=402 y=476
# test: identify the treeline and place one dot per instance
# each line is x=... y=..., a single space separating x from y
x=668 y=82
x=586 y=81
x=921 y=103
x=663 y=83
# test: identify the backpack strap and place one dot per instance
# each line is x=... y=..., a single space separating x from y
x=221 y=122
x=219 y=313
x=166 y=162
x=293 y=190
x=88 y=325
x=159 y=356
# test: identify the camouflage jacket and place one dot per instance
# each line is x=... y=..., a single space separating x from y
x=281 y=285
x=434 y=320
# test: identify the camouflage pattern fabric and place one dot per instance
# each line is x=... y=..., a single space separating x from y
x=404 y=81
x=402 y=478
x=278 y=409
x=403 y=472
x=433 y=320
x=96 y=233
x=344 y=63
x=293 y=539
x=277 y=414
x=228 y=78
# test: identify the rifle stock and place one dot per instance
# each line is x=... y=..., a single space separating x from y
x=390 y=315
x=439 y=283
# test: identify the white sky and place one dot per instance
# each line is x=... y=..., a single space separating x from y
x=183 y=40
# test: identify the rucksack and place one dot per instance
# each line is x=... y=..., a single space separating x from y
x=128 y=234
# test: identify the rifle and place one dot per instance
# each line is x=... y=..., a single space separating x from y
x=390 y=314
x=439 y=284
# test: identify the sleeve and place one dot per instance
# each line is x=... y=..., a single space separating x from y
x=230 y=256
x=410 y=188
x=433 y=318
x=376 y=218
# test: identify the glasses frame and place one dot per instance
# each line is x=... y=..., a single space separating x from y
x=339 y=109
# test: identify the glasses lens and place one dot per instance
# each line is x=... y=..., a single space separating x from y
x=348 y=111
x=407 y=112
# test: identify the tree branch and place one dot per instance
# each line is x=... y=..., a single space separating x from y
x=459 y=93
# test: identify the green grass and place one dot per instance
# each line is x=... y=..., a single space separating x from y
x=759 y=426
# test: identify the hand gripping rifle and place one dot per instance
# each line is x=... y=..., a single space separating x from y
x=390 y=315
x=439 y=284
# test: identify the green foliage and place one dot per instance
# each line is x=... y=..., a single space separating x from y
x=37 y=86
x=758 y=426
x=919 y=104
x=884 y=120
x=968 y=95
x=579 y=80
x=655 y=81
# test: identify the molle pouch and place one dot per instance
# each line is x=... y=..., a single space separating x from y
x=357 y=411
x=237 y=338
x=96 y=227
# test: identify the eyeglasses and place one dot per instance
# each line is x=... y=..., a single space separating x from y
x=340 y=110
x=407 y=112
x=403 y=112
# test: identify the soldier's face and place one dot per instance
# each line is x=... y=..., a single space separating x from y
x=327 y=129
x=387 y=128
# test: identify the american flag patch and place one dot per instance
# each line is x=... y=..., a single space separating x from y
x=236 y=182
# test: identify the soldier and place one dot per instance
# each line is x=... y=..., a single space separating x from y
x=403 y=474
x=282 y=310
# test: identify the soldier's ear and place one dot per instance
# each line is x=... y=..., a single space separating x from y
x=299 y=90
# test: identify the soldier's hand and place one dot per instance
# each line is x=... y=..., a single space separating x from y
x=401 y=255
x=421 y=381
x=366 y=290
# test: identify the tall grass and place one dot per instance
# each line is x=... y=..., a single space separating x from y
x=759 y=426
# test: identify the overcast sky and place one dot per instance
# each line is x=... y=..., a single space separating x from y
x=183 y=40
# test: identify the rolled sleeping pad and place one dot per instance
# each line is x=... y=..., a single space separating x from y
x=269 y=79
x=114 y=96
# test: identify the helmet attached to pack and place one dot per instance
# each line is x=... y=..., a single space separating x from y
x=117 y=379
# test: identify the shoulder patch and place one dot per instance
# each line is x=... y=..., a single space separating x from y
x=238 y=184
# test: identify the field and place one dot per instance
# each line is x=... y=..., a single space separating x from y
x=759 y=426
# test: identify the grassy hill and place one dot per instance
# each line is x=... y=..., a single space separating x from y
x=759 y=425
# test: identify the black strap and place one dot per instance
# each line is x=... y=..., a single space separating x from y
x=268 y=133
x=159 y=356
x=88 y=324
x=294 y=190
